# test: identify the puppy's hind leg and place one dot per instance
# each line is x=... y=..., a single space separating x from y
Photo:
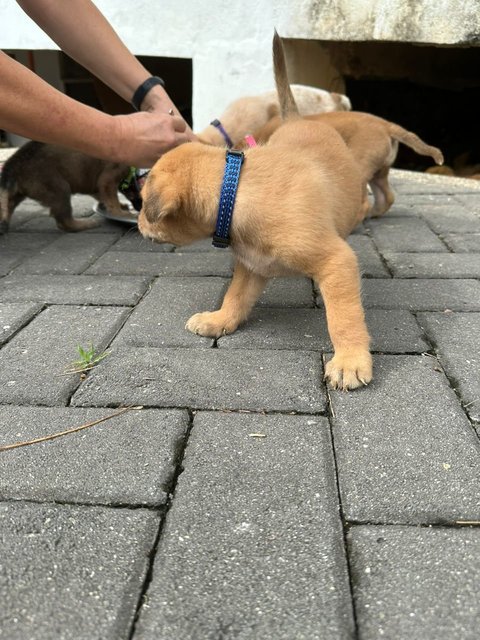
x=58 y=199
x=8 y=203
x=107 y=184
x=242 y=294
x=382 y=193
x=339 y=281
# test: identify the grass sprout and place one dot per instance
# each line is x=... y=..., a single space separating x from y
x=89 y=358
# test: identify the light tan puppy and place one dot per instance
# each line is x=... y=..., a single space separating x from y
x=373 y=141
x=292 y=213
x=248 y=114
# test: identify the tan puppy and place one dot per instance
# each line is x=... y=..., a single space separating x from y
x=291 y=214
x=51 y=174
x=373 y=141
x=374 y=144
x=250 y=113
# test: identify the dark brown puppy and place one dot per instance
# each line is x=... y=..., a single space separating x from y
x=51 y=174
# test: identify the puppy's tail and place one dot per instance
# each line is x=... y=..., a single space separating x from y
x=414 y=142
x=288 y=106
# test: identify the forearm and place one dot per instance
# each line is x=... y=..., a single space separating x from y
x=94 y=44
x=81 y=31
x=31 y=107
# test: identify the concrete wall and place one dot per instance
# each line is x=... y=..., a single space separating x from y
x=229 y=42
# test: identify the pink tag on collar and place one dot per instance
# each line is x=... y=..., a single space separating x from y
x=250 y=140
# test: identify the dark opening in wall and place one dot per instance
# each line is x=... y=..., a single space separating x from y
x=81 y=85
x=433 y=91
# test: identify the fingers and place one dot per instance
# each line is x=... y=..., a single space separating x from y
x=180 y=138
x=179 y=123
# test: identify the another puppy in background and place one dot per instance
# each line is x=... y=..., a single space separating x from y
x=373 y=141
x=248 y=114
x=51 y=174
x=292 y=213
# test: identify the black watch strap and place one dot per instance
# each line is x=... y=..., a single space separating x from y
x=139 y=95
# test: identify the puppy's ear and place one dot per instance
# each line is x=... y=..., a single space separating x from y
x=158 y=205
x=152 y=207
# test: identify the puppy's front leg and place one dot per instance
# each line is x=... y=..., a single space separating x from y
x=339 y=282
x=242 y=294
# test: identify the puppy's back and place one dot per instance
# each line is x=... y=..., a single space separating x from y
x=36 y=164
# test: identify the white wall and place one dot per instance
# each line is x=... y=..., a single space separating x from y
x=230 y=41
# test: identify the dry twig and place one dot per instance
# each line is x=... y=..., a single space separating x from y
x=59 y=434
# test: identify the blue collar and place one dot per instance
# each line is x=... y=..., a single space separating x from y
x=218 y=125
x=234 y=161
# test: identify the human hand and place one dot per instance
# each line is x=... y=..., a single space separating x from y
x=141 y=138
x=157 y=100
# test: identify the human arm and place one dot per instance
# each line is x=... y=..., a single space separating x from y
x=31 y=107
x=81 y=31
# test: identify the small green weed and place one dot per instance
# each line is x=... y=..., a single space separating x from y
x=88 y=358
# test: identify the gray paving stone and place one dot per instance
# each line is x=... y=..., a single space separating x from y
x=31 y=216
x=416 y=200
x=32 y=364
x=73 y=573
x=26 y=242
x=434 y=265
x=103 y=290
x=471 y=201
x=287 y=292
x=394 y=331
x=457 y=340
x=41 y=222
x=133 y=241
x=430 y=188
x=28 y=210
x=402 y=208
x=200 y=246
x=159 y=319
x=451 y=219
x=462 y=242
x=163 y=264
x=252 y=546
x=13 y=316
x=406 y=453
x=413 y=182
x=370 y=262
x=391 y=331
x=403 y=234
x=422 y=295
x=8 y=260
x=207 y=379
x=66 y=255
x=414 y=582
x=16 y=247
x=131 y=458
x=303 y=329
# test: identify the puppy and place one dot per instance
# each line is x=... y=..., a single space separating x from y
x=373 y=141
x=292 y=213
x=249 y=114
x=50 y=174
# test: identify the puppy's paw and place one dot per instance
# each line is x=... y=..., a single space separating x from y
x=211 y=324
x=77 y=224
x=349 y=370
